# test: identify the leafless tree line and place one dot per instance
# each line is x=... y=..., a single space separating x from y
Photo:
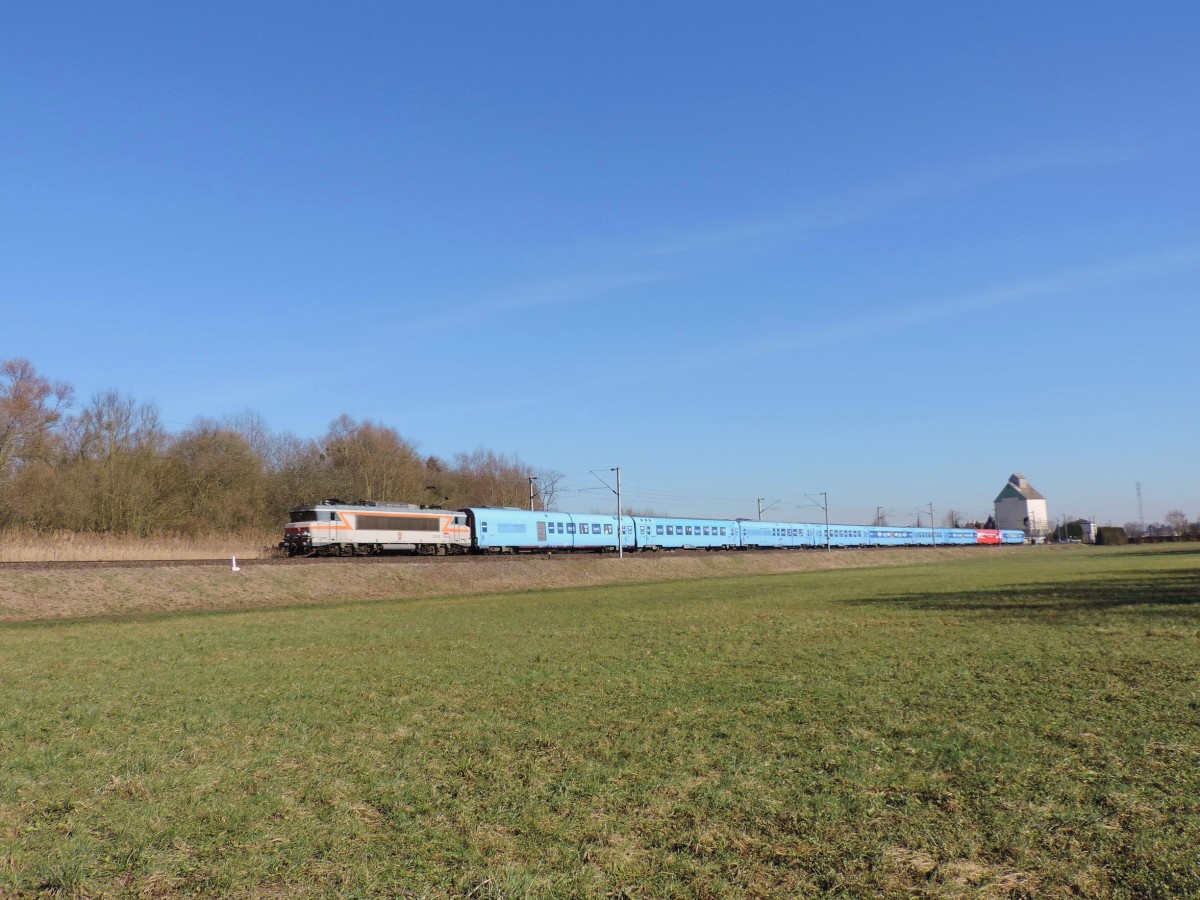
x=111 y=466
x=1174 y=524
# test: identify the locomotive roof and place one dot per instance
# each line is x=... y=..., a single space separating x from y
x=369 y=505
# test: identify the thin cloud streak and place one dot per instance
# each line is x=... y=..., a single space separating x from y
x=1127 y=269
x=872 y=202
x=539 y=295
x=1133 y=267
x=868 y=204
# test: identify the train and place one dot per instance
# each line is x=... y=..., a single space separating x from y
x=367 y=527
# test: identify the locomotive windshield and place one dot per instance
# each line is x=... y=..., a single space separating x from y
x=314 y=515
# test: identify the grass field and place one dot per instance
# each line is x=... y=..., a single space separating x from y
x=990 y=726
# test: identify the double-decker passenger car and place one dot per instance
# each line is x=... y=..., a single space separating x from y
x=670 y=533
x=506 y=530
x=364 y=527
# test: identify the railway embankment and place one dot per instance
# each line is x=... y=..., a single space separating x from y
x=30 y=592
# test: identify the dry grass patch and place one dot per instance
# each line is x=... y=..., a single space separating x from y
x=27 y=545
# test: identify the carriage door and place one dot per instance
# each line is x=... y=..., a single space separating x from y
x=322 y=530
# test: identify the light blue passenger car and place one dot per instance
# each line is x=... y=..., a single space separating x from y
x=785 y=535
x=846 y=535
x=889 y=536
x=957 y=537
x=505 y=530
x=660 y=533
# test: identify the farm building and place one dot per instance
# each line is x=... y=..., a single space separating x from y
x=1087 y=530
x=1020 y=506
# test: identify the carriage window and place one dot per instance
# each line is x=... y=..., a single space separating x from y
x=688 y=529
x=583 y=527
x=658 y=529
x=722 y=531
x=570 y=528
x=670 y=529
x=560 y=527
x=608 y=529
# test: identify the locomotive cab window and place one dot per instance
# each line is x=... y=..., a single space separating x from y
x=315 y=515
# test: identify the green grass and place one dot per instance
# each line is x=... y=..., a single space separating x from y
x=1017 y=726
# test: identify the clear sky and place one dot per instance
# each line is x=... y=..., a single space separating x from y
x=891 y=252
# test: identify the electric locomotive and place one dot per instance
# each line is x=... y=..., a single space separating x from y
x=365 y=527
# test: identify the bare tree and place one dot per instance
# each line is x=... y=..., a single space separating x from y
x=1177 y=521
x=113 y=474
x=253 y=428
x=218 y=480
x=297 y=472
x=30 y=407
x=112 y=424
x=486 y=478
x=372 y=461
x=547 y=487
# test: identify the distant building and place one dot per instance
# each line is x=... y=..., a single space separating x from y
x=1087 y=530
x=1020 y=506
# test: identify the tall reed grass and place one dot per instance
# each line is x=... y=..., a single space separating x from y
x=29 y=545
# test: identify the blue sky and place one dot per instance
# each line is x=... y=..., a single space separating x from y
x=892 y=252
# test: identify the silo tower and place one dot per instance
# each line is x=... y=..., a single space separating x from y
x=1021 y=507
